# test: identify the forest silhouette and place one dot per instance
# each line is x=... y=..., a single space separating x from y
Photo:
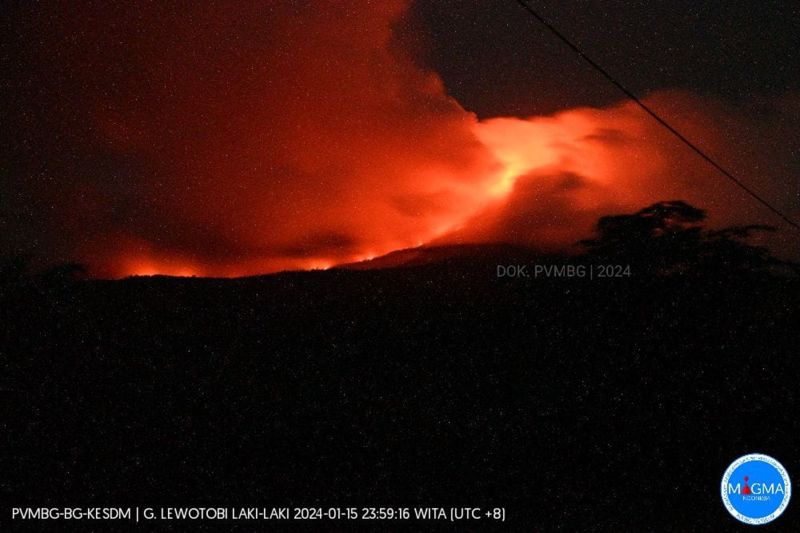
x=431 y=383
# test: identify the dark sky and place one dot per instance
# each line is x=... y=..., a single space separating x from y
x=497 y=60
x=235 y=137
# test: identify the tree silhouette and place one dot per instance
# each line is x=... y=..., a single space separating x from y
x=668 y=237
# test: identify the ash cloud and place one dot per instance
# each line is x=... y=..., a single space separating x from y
x=232 y=138
x=244 y=138
x=575 y=166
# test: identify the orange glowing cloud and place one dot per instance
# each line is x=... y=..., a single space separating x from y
x=316 y=143
x=236 y=140
x=562 y=172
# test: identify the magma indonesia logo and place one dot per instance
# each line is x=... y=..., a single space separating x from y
x=756 y=489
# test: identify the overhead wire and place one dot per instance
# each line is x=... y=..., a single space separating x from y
x=658 y=118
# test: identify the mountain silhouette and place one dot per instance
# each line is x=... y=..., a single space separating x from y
x=431 y=383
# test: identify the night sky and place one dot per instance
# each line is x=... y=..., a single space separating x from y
x=233 y=138
x=496 y=60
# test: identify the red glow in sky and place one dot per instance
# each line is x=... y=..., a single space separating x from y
x=224 y=141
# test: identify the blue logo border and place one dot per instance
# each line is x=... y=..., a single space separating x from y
x=786 y=483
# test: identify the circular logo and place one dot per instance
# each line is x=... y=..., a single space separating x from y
x=756 y=489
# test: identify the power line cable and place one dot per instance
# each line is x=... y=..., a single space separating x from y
x=655 y=115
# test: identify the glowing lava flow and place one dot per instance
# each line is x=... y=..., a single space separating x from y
x=223 y=140
x=519 y=145
x=541 y=181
